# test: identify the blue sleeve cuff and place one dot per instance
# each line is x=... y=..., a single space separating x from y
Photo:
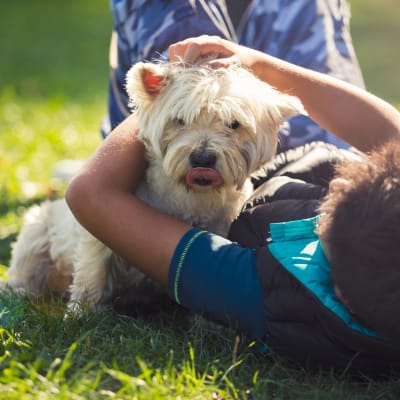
x=214 y=277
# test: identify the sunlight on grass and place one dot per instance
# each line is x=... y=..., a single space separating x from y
x=3 y=272
x=37 y=134
x=27 y=372
x=375 y=28
x=58 y=383
x=20 y=381
x=174 y=381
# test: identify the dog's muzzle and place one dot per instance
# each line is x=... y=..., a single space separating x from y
x=202 y=171
x=204 y=177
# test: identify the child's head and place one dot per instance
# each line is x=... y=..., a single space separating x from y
x=360 y=227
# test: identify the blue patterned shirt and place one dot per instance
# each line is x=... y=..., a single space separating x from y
x=310 y=33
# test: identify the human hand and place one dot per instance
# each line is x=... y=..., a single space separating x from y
x=208 y=50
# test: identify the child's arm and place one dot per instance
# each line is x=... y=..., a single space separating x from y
x=101 y=199
x=204 y=272
x=353 y=114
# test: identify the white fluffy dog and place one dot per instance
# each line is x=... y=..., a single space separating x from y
x=206 y=132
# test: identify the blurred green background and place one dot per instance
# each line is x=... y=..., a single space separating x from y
x=54 y=77
x=53 y=83
x=375 y=28
x=55 y=48
x=59 y=48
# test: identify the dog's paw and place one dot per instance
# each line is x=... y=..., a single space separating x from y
x=76 y=310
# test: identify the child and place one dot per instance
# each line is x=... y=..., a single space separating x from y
x=360 y=233
x=328 y=294
x=264 y=289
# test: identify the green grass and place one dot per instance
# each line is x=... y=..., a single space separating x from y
x=375 y=28
x=53 y=81
x=166 y=356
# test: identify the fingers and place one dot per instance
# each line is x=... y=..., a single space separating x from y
x=220 y=62
x=194 y=50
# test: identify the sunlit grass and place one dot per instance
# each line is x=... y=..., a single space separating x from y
x=38 y=133
x=35 y=135
x=375 y=28
x=53 y=81
x=168 y=356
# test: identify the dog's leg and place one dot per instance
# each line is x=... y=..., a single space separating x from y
x=32 y=264
x=91 y=268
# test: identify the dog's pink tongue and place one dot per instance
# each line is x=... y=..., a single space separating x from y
x=204 y=177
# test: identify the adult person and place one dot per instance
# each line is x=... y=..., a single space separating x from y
x=311 y=33
x=238 y=281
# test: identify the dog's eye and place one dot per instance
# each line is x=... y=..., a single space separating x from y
x=234 y=124
x=180 y=122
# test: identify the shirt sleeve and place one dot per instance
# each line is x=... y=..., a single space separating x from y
x=218 y=279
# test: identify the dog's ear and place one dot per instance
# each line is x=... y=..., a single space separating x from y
x=152 y=83
x=145 y=81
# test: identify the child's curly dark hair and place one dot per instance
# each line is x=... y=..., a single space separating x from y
x=361 y=228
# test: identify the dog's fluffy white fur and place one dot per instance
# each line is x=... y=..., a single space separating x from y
x=206 y=132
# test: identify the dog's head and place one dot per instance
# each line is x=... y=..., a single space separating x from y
x=208 y=128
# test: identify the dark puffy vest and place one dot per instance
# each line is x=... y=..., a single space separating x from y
x=300 y=327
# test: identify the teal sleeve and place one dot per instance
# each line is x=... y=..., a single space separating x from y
x=217 y=278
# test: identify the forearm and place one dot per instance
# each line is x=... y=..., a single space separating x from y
x=101 y=199
x=349 y=112
x=352 y=114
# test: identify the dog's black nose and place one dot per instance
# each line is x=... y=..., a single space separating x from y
x=204 y=159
